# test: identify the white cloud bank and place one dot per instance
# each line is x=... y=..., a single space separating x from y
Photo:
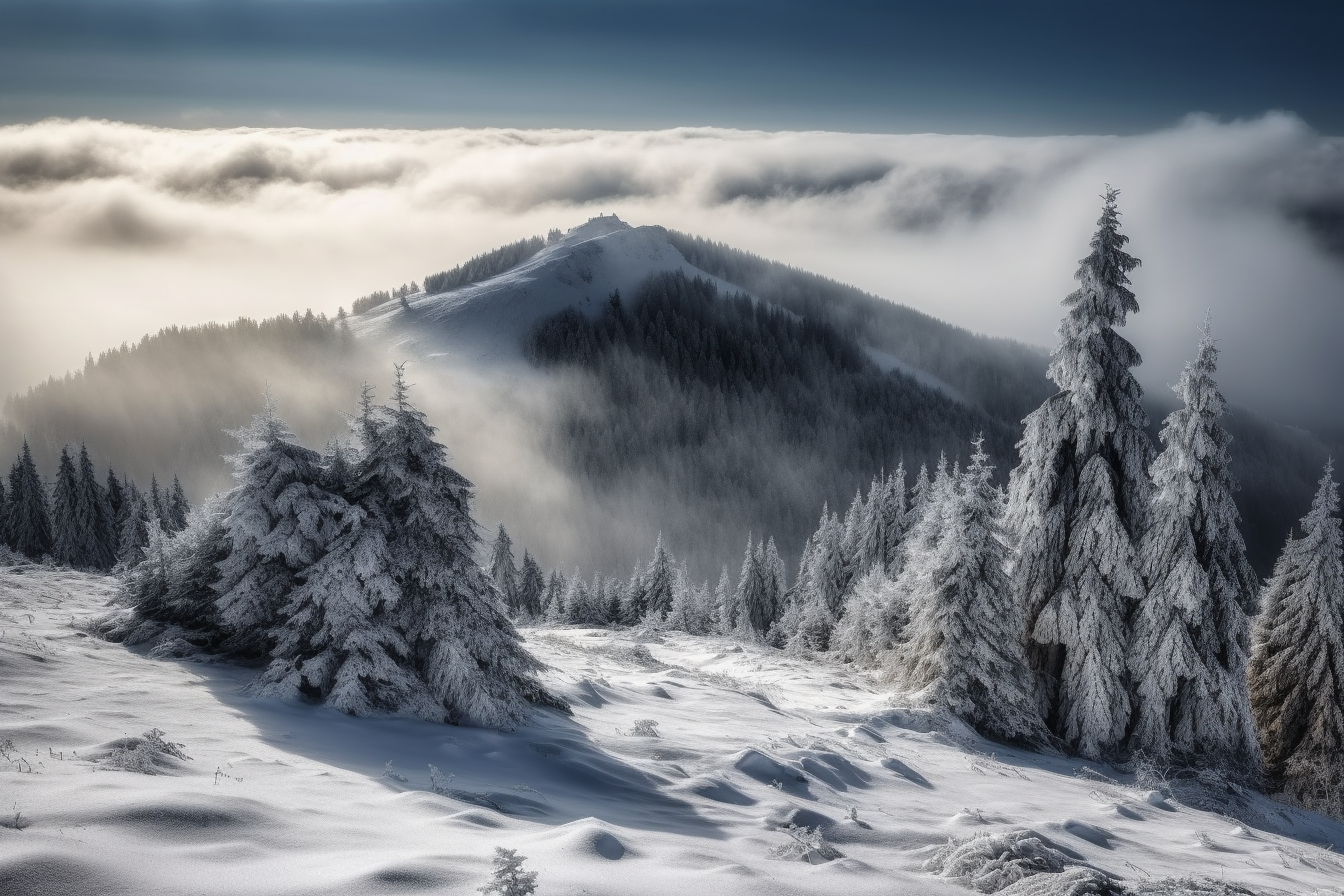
x=111 y=230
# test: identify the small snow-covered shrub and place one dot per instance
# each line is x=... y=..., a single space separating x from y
x=990 y=863
x=508 y=877
x=1069 y=882
x=643 y=728
x=148 y=754
x=1190 y=886
x=807 y=844
x=16 y=821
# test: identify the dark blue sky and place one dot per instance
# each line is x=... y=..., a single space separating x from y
x=960 y=66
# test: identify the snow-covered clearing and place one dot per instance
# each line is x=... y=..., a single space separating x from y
x=280 y=798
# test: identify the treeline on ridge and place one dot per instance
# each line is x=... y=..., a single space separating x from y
x=167 y=401
x=747 y=413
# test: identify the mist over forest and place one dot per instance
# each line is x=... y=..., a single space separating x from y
x=677 y=411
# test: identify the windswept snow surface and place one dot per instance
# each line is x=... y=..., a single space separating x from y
x=295 y=799
x=489 y=321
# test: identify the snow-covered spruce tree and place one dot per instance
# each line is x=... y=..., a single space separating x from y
x=1077 y=503
x=853 y=533
x=97 y=524
x=919 y=559
x=822 y=578
x=553 y=601
x=962 y=648
x=66 y=542
x=29 y=520
x=919 y=492
x=133 y=530
x=776 y=581
x=503 y=571
x=1191 y=635
x=116 y=496
x=177 y=507
x=531 y=587
x=753 y=599
x=455 y=625
x=656 y=584
x=1297 y=663
x=873 y=623
x=726 y=610
x=279 y=520
x=171 y=591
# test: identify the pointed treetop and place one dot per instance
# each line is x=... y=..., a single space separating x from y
x=399 y=387
x=1104 y=273
x=1326 y=502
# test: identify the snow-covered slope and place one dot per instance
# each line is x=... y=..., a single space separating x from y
x=489 y=321
x=281 y=799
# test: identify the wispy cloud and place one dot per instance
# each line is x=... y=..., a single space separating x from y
x=108 y=230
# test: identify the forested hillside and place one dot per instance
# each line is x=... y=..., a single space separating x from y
x=166 y=402
x=736 y=414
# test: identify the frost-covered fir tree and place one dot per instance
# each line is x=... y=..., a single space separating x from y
x=962 y=646
x=503 y=571
x=553 y=601
x=278 y=521
x=171 y=590
x=531 y=587
x=656 y=584
x=116 y=495
x=776 y=580
x=459 y=634
x=1297 y=663
x=29 y=519
x=873 y=623
x=919 y=492
x=726 y=610
x=67 y=545
x=754 y=600
x=133 y=531
x=1077 y=504
x=1191 y=634
x=97 y=524
x=822 y=580
x=177 y=507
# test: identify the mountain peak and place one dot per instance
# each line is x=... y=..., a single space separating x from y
x=602 y=225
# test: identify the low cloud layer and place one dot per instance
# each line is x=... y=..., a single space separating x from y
x=110 y=230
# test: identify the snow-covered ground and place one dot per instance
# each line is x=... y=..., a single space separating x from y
x=280 y=799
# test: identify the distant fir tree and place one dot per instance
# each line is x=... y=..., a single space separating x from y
x=962 y=645
x=822 y=579
x=67 y=543
x=116 y=494
x=503 y=571
x=724 y=601
x=177 y=507
x=553 y=602
x=1077 y=504
x=1191 y=634
x=29 y=519
x=157 y=506
x=656 y=584
x=174 y=587
x=1297 y=663
x=97 y=522
x=531 y=587
x=754 y=599
x=874 y=621
x=133 y=529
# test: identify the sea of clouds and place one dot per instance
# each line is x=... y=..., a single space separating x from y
x=110 y=230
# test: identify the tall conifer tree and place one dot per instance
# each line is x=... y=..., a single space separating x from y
x=1191 y=635
x=1297 y=666
x=1077 y=503
x=29 y=516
